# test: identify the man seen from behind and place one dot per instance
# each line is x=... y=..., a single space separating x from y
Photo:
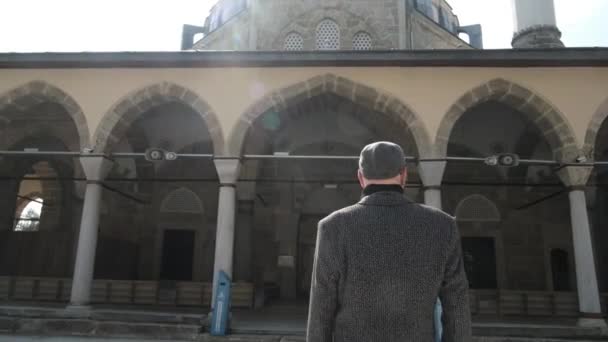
x=381 y=264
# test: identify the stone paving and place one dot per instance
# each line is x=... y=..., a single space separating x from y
x=12 y=338
x=270 y=325
x=234 y=338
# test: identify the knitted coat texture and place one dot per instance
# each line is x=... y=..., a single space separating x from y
x=380 y=266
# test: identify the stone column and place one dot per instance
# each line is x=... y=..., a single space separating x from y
x=95 y=169
x=228 y=172
x=575 y=178
x=431 y=174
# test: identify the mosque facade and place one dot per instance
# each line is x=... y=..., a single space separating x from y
x=261 y=136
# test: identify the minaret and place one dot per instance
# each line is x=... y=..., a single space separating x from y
x=535 y=25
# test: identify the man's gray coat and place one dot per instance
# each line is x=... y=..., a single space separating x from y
x=380 y=266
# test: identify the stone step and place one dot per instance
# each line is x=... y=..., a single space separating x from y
x=278 y=338
x=491 y=332
x=114 y=329
x=167 y=296
x=190 y=332
x=194 y=317
x=253 y=326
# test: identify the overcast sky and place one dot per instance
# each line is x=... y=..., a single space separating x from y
x=147 y=25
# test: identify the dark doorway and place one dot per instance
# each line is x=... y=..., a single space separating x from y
x=480 y=262
x=178 y=255
x=307 y=237
x=559 y=270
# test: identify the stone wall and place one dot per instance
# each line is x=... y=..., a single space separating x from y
x=523 y=238
x=40 y=254
x=275 y=19
x=426 y=34
x=132 y=232
x=234 y=35
x=284 y=230
x=376 y=17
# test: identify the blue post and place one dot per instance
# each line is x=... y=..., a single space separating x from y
x=221 y=307
x=437 y=318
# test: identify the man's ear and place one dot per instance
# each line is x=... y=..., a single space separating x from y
x=361 y=179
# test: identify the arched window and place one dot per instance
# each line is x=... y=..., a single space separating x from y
x=28 y=219
x=182 y=200
x=362 y=41
x=464 y=36
x=293 y=42
x=477 y=208
x=328 y=35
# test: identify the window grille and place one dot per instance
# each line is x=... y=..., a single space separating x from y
x=328 y=35
x=362 y=41
x=293 y=42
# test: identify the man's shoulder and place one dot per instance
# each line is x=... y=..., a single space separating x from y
x=433 y=212
x=340 y=214
x=420 y=211
x=336 y=224
x=429 y=213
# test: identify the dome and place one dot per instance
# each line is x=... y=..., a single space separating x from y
x=333 y=25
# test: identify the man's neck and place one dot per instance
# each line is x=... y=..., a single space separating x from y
x=374 y=188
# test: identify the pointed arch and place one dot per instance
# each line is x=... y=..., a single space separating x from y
x=360 y=94
x=593 y=129
x=553 y=124
x=119 y=117
x=477 y=208
x=36 y=92
x=182 y=200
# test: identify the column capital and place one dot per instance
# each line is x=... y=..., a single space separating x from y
x=575 y=176
x=431 y=172
x=96 y=168
x=228 y=170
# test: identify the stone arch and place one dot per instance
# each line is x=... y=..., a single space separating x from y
x=36 y=92
x=38 y=133
x=182 y=200
x=593 y=129
x=477 y=208
x=120 y=116
x=358 y=93
x=56 y=186
x=552 y=123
